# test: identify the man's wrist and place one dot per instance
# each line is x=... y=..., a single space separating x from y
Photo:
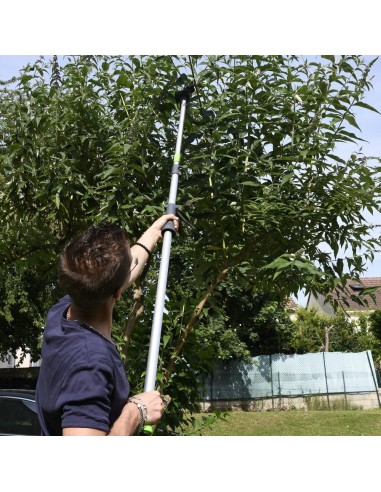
x=127 y=423
x=144 y=247
x=143 y=411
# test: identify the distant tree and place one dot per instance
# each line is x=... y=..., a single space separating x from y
x=317 y=332
x=241 y=323
x=260 y=321
x=309 y=331
x=25 y=296
x=375 y=323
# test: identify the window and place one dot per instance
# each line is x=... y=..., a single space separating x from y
x=18 y=416
x=10 y=359
x=356 y=286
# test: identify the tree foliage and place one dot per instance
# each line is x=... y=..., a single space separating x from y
x=318 y=332
x=261 y=180
x=375 y=323
x=259 y=322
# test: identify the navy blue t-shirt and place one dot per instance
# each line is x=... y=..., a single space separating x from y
x=82 y=382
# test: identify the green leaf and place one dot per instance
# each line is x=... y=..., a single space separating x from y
x=279 y=263
x=331 y=58
x=336 y=158
x=352 y=121
x=367 y=106
x=124 y=81
x=166 y=339
x=286 y=178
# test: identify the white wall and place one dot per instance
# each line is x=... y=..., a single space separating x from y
x=11 y=362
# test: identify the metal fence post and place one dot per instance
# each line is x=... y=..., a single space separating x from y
x=326 y=380
x=374 y=379
x=345 y=392
x=211 y=388
x=272 y=387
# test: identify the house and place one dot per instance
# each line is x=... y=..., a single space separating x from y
x=10 y=362
x=348 y=298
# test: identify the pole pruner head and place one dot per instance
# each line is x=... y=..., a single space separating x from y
x=184 y=94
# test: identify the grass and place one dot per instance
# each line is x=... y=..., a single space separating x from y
x=292 y=423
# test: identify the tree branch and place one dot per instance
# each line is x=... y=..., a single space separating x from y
x=136 y=312
x=192 y=322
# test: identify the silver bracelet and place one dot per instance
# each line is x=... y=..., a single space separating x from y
x=143 y=418
x=142 y=403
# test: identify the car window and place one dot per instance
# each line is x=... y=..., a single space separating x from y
x=18 y=417
x=30 y=404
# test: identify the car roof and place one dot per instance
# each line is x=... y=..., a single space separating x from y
x=18 y=393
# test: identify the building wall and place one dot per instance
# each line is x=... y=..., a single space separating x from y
x=10 y=362
x=364 y=401
x=318 y=303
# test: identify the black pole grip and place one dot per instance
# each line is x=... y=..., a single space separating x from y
x=169 y=226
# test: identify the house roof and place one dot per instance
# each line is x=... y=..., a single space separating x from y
x=347 y=298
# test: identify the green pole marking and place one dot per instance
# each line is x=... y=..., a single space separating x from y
x=177 y=158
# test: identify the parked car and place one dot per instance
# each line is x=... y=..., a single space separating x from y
x=18 y=413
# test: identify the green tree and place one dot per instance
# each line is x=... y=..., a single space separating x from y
x=239 y=324
x=25 y=296
x=309 y=331
x=259 y=320
x=375 y=328
x=317 y=332
x=261 y=180
x=375 y=323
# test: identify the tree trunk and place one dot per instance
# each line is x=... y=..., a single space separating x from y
x=193 y=321
x=137 y=311
x=326 y=344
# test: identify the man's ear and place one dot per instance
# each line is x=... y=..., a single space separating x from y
x=118 y=293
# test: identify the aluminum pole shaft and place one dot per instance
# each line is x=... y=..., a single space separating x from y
x=153 y=354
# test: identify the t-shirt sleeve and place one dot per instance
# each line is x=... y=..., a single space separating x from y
x=85 y=397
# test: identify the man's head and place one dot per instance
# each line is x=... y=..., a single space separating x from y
x=95 y=264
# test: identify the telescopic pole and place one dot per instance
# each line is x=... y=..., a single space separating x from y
x=168 y=230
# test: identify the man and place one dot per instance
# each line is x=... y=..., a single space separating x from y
x=82 y=389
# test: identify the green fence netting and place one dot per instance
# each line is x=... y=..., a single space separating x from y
x=269 y=376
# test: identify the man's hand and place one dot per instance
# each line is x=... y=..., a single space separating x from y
x=130 y=417
x=155 y=231
x=149 y=239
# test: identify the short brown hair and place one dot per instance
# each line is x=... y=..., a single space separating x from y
x=95 y=264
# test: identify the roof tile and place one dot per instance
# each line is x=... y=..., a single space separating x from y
x=354 y=289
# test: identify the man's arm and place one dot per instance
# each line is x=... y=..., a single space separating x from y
x=149 y=240
x=82 y=431
x=129 y=419
x=125 y=425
